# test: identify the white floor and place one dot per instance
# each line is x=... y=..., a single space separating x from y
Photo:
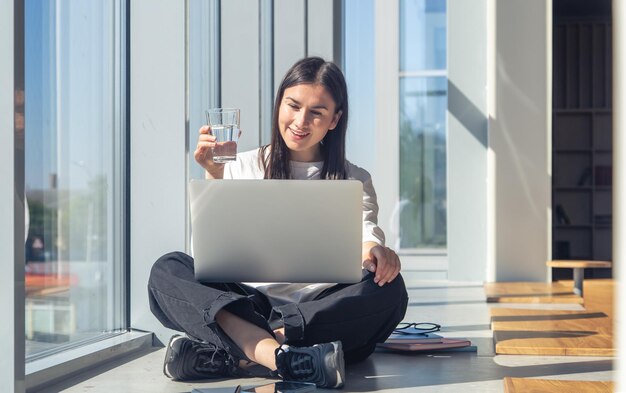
x=459 y=307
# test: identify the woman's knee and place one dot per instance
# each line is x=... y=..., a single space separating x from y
x=171 y=264
x=397 y=297
x=396 y=288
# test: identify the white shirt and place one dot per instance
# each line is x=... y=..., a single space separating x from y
x=247 y=166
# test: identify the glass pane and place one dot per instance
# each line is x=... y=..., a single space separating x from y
x=74 y=102
x=422 y=206
x=422 y=35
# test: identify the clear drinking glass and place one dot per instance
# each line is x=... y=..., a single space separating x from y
x=224 y=123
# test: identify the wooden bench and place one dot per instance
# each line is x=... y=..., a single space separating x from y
x=526 y=385
x=579 y=270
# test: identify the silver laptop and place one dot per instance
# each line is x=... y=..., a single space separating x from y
x=277 y=230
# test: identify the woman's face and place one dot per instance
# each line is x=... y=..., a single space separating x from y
x=306 y=114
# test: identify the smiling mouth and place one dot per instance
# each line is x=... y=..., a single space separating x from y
x=299 y=134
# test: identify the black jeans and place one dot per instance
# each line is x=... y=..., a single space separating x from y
x=360 y=315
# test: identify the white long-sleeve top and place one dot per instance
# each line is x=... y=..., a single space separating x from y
x=247 y=166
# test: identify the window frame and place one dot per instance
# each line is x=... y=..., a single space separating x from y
x=12 y=194
x=387 y=85
x=19 y=375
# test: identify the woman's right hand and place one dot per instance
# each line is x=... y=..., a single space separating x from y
x=204 y=154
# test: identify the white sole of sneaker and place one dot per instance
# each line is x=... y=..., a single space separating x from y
x=168 y=354
x=341 y=372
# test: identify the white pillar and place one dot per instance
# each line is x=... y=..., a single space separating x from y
x=158 y=151
x=519 y=140
x=467 y=140
x=619 y=182
x=239 y=41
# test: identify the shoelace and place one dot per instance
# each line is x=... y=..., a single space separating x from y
x=207 y=363
x=298 y=365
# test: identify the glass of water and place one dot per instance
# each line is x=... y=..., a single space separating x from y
x=224 y=123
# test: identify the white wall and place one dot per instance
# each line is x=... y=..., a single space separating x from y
x=158 y=216
x=519 y=139
x=240 y=66
x=387 y=115
x=467 y=140
x=300 y=29
x=158 y=113
x=324 y=29
x=290 y=30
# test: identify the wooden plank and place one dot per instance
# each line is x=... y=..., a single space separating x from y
x=552 y=332
x=552 y=344
x=531 y=385
x=509 y=385
x=587 y=321
x=558 y=332
x=598 y=294
x=579 y=264
x=530 y=292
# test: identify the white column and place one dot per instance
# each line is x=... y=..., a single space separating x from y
x=12 y=195
x=266 y=70
x=519 y=139
x=240 y=66
x=467 y=140
x=387 y=116
x=290 y=31
x=619 y=183
x=324 y=29
x=158 y=146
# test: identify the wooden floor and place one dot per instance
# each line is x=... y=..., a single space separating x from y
x=528 y=385
x=531 y=292
x=550 y=332
x=553 y=332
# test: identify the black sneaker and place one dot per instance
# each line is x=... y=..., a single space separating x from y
x=321 y=364
x=186 y=359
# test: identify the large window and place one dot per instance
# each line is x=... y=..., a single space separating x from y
x=414 y=211
x=423 y=104
x=75 y=100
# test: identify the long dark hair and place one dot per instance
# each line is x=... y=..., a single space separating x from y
x=311 y=70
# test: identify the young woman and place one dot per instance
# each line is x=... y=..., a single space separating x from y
x=301 y=332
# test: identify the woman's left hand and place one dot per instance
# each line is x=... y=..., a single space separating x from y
x=381 y=260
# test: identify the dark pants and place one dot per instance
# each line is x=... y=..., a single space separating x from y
x=360 y=315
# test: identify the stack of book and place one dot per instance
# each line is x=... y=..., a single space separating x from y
x=422 y=342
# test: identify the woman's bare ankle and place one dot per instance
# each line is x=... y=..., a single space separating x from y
x=257 y=344
x=280 y=335
x=244 y=364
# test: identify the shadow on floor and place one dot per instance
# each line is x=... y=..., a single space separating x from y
x=546 y=317
x=394 y=371
x=427 y=288
x=446 y=303
x=548 y=294
x=464 y=328
x=504 y=335
x=72 y=379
